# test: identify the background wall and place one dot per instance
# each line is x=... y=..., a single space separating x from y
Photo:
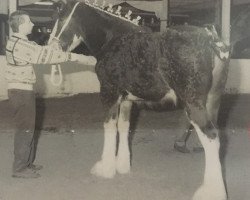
x=4 y=7
x=82 y=79
x=239 y=76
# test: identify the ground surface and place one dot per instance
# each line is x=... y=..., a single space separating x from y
x=71 y=142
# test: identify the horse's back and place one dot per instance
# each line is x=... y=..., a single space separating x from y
x=150 y=64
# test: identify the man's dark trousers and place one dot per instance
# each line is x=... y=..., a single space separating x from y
x=24 y=106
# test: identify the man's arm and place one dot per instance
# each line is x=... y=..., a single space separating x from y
x=87 y=60
x=36 y=54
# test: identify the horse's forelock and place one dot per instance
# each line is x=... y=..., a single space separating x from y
x=65 y=8
x=67 y=33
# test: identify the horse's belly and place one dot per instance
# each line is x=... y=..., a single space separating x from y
x=151 y=88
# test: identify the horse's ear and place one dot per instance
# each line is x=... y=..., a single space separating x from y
x=61 y=2
x=60 y=5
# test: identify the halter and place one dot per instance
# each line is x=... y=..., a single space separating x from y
x=56 y=68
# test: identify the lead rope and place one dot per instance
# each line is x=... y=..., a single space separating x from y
x=56 y=68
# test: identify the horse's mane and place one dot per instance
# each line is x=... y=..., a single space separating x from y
x=115 y=13
x=109 y=10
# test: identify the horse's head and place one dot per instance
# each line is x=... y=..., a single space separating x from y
x=66 y=29
x=78 y=22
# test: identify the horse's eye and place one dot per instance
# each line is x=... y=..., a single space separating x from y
x=59 y=10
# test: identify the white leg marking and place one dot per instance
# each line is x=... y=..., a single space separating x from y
x=170 y=96
x=132 y=97
x=123 y=155
x=213 y=187
x=106 y=167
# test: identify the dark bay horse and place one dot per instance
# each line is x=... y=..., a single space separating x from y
x=187 y=62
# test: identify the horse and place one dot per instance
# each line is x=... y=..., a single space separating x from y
x=135 y=64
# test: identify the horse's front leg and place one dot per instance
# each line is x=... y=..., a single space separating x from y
x=106 y=167
x=123 y=154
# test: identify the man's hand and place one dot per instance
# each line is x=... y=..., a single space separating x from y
x=87 y=60
x=54 y=44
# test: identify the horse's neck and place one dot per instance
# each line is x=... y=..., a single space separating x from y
x=100 y=28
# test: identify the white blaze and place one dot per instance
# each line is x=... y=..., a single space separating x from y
x=75 y=43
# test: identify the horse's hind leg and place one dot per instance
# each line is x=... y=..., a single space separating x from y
x=123 y=154
x=106 y=167
x=212 y=105
x=213 y=185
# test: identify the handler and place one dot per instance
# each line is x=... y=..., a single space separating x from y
x=21 y=54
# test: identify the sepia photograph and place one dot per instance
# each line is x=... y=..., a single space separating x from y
x=124 y=99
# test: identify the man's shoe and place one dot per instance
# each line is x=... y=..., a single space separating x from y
x=26 y=173
x=35 y=167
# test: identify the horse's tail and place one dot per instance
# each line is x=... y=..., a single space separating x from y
x=222 y=50
x=220 y=69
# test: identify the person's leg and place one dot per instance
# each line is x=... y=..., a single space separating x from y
x=33 y=153
x=23 y=103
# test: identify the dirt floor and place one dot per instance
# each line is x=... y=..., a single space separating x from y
x=71 y=142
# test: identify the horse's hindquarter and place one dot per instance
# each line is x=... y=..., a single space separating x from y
x=187 y=62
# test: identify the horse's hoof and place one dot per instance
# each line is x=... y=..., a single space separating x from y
x=181 y=147
x=206 y=193
x=105 y=169
x=123 y=166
